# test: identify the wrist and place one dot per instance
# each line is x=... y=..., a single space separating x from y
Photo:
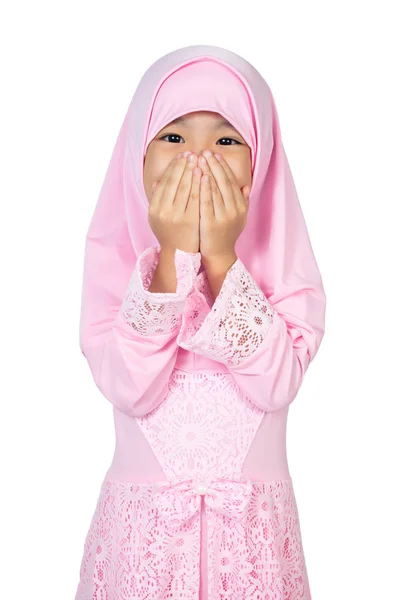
x=166 y=253
x=219 y=263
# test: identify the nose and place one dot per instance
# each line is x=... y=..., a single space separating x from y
x=198 y=151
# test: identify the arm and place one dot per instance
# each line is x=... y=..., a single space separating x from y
x=133 y=364
x=266 y=353
x=146 y=307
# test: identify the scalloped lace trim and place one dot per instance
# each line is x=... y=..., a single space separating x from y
x=232 y=328
x=152 y=313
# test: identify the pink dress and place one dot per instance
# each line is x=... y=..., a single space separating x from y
x=198 y=502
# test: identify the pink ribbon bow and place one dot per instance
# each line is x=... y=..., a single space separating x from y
x=181 y=500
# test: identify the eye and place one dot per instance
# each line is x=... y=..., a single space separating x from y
x=175 y=135
x=172 y=135
x=232 y=140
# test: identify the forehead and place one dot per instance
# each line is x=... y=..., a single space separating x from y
x=217 y=121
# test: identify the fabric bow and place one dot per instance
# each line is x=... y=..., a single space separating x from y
x=180 y=500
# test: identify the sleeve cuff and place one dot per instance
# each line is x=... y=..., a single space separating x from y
x=232 y=328
x=152 y=313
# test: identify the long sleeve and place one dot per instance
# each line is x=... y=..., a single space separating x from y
x=133 y=364
x=153 y=313
x=266 y=354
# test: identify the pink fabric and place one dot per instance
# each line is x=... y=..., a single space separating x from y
x=274 y=245
x=250 y=546
x=205 y=430
x=200 y=389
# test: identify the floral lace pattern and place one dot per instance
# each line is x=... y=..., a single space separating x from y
x=205 y=425
x=152 y=313
x=144 y=542
x=233 y=327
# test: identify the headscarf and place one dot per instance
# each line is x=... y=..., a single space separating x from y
x=274 y=245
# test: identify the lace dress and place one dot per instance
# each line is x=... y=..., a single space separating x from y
x=198 y=502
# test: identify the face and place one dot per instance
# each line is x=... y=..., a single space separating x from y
x=197 y=131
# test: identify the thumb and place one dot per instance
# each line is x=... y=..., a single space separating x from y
x=246 y=192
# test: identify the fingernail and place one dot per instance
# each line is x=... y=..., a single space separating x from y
x=207 y=153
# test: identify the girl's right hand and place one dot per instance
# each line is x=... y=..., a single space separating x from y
x=174 y=210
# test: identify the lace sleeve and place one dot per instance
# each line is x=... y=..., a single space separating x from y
x=152 y=313
x=234 y=326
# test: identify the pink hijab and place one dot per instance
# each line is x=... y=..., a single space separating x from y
x=274 y=245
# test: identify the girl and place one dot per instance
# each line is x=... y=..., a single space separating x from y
x=202 y=308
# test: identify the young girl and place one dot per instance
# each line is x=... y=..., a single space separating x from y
x=202 y=308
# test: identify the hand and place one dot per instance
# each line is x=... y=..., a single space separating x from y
x=174 y=207
x=223 y=209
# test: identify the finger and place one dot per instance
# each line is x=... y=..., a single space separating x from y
x=159 y=185
x=206 y=201
x=193 y=206
x=238 y=193
x=218 y=201
x=169 y=179
x=154 y=198
x=203 y=164
x=246 y=194
x=184 y=186
x=223 y=182
x=222 y=162
x=177 y=188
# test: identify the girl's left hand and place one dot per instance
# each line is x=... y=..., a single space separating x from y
x=223 y=209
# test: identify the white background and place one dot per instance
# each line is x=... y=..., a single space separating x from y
x=69 y=71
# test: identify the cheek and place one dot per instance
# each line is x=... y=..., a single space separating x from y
x=149 y=172
x=149 y=176
x=241 y=168
x=154 y=167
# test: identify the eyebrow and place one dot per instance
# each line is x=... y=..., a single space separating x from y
x=221 y=123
